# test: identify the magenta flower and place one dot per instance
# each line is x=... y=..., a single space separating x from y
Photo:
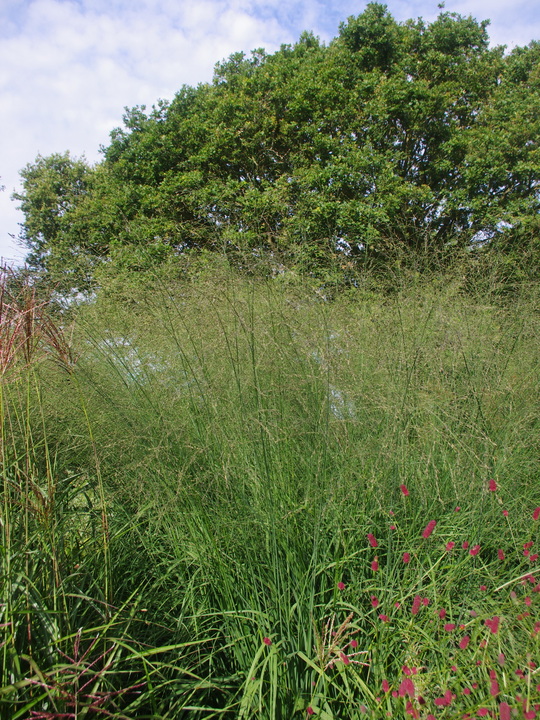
x=450 y=545
x=505 y=513
x=384 y=618
x=492 y=486
x=504 y=711
x=354 y=643
x=474 y=550
x=442 y=613
x=449 y=627
x=430 y=527
x=465 y=544
x=345 y=660
x=536 y=513
x=493 y=624
x=341 y=585
x=406 y=557
x=267 y=641
x=406 y=688
x=385 y=686
x=445 y=700
x=372 y=540
x=404 y=490
x=417 y=604
x=310 y=710
x=464 y=642
x=500 y=554
x=375 y=564
x=374 y=601
x=494 y=688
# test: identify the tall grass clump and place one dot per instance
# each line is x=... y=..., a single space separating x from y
x=276 y=505
x=68 y=645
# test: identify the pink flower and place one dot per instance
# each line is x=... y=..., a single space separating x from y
x=404 y=490
x=341 y=585
x=464 y=642
x=445 y=700
x=536 y=513
x=385 y=686
x=411 y=710
x=375 y=564
x=384 y=618
x=483 y=588
x=474 y=550
x=494 y=688
x=374 y=601
x=465 y=544
x=449 y=627
x=345 y=660
x=527 y=601
x=492 y=486
x=310 y=710
x=504 y=711
x=372 y=540
x=442 y=613
x=406 y=688
x=505 y=513
x=501 y=659
x=354 y=643
x=533 y=558
x=430 y=527
x=450 y=545
x=457 y=509
x=493 y=624
x=500 y=554
x=267 y=641
x=482 y=712
x=406 y=557
x=417 y=602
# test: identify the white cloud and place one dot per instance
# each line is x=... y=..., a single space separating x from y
x=68 y=67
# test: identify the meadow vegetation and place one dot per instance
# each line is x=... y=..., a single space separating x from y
x=231 y=497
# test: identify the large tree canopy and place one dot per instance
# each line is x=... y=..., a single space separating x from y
x=393 y=138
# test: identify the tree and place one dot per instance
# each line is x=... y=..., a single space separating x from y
x=394 y=140
x=53 y=189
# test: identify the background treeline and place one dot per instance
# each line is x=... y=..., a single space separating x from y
x=395 y=143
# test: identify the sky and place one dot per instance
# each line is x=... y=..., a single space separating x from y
x=68 y=68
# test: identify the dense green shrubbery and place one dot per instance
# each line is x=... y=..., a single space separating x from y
x=213 y=477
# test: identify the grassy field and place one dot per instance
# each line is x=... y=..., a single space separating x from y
x=240 y=499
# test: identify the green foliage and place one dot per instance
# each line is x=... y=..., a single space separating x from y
x=396 y=141
x=188 y=485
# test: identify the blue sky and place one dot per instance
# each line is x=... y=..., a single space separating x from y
x=69 y=67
